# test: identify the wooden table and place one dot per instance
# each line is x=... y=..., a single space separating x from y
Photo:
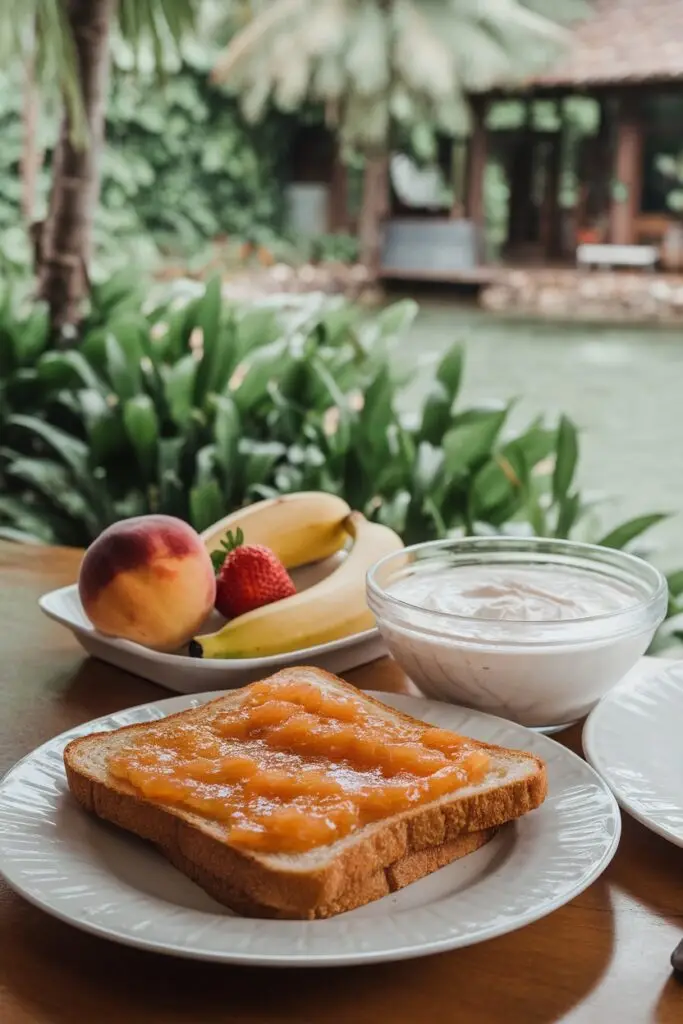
x=603 y=958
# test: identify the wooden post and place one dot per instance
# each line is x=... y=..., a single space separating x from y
x=373 y=211
x=627 y=177
x=476 y=169
x=338 y=211
x=552 y=213
x=521 y=168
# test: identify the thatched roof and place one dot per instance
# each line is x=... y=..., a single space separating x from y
x=622 y=41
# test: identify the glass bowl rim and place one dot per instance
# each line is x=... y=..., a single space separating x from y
x=532 y=545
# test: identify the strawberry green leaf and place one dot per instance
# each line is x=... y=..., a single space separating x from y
x=217 y=559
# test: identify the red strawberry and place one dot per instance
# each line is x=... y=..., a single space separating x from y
x=249 y=576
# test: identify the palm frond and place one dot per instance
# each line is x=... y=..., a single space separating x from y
x=378 y=61
x=256 y=33
x=368 y=50
x=421 y=51
x=159 y=24
x=38 y=31
x=325 y=30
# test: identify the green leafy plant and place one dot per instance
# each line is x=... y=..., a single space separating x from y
x=197 y=407
x=179 y=167
x=339 y=248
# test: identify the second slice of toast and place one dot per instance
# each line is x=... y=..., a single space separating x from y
x=360 y=867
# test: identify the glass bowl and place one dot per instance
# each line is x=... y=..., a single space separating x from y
x=544 y=673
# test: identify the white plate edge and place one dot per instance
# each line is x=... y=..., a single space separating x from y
x=333 y=959
x=210 y=664
x=590 y=745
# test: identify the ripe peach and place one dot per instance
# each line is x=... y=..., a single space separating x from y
x=148 y=579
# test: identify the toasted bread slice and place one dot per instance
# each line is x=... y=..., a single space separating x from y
x=323 y=881
x=356 y=892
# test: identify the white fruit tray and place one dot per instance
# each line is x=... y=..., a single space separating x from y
x=183 y=674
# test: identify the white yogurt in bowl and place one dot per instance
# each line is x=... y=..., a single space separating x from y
x=528 y=593
x=534 y=630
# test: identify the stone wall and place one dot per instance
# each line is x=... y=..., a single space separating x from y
x=586 y=295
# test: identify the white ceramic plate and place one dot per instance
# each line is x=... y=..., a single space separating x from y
x=634 y=739
x=106 y=881
x=195 y=675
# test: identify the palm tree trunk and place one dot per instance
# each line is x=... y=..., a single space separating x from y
x=65 y=245
x=31 y=153
x=374 y=208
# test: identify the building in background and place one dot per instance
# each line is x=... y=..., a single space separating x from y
x=590 y=151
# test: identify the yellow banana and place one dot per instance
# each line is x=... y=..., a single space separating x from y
x=303 y=527
x=331 y=609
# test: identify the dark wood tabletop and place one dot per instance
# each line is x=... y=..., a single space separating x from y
x=603 y=959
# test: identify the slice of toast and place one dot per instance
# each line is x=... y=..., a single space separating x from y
x=362 y=866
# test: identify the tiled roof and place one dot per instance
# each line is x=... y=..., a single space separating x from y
x=623 y=41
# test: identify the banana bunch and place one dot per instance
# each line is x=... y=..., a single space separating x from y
x=331 y=609
x=300 y=528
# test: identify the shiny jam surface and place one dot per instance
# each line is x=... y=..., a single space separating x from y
x=293 y=768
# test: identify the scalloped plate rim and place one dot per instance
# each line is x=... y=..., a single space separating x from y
x=592 y=744
x=524 y=831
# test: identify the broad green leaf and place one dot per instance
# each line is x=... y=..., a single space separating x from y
x=289 y=479
x=23 y=389
x=537 y=444
x=628 y=531
x=23 y=537
x=294 y=383
x=206 y=505
x=142 y=427
x=207 y=318
x=132 y=321
x=569 y=509
x=395 y=320
x=675 y=581
x=249 y=384
x=134 y=503
x=68 y=369
x=436 y=415
x=93 y=348
x=449 y=371
x=391 y=512
x=103 y=425
x=257 y=460
x=178 y=383
x=205 y=465
x=54 y=482
x=173 y=333
x=31 y=337
x=391 y=477
x=338 y=323
x=535 y=513
x=124 y=355
x=124 y=288
x=565 y=459
x=401 y=446
x=72 y=451
x=418 y=521
x=339 y=416
x=226 y=431
x=431 y=509
x=254 y=328
x=377 y=413
x=469 y=444
x=172 y=497
x=25 y=522
x=480 y=413
x=497 y=484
